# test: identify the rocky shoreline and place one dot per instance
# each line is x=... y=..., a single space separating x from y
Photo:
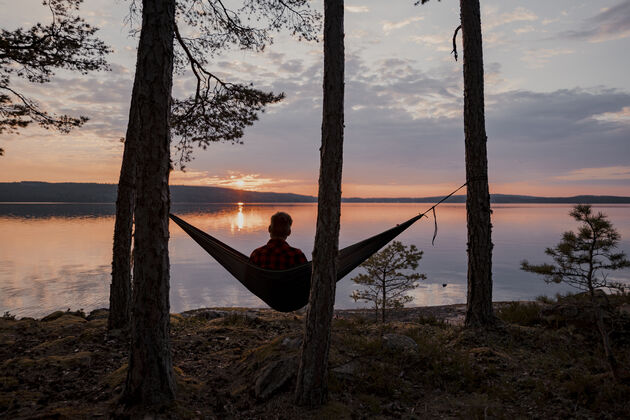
x=240 y=363
x=453 y=314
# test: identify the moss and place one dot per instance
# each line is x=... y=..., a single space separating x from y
x=70 y=412
x=18 y=363
x=17 y=399
x=97 y=323
x=8 y=383
x=176 y=319
x=185 y=382
x=58 y=345
x=370 y=403
x=79 y=359
x=6 y=402
x=254 y=358
x=239 y=320
x=53 y=316
x=334 y=410
x=66 y=320
x=117 y=377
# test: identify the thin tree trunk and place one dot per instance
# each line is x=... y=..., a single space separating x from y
x=120 y=288
x=150 y=378
x=479 y=301
x=601 y=327
x=384 y=300
x=312 y=380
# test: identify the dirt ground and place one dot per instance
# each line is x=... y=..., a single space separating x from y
x=422 y=364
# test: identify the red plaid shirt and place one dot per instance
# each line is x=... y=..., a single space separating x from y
x=277 y=255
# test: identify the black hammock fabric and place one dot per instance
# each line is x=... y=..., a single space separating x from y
x=286 y=290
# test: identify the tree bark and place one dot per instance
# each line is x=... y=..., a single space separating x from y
x=312 y=380
x=150 y=378
x=479 y=300
x=120 y=288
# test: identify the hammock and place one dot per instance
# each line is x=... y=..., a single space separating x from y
x=286 y=290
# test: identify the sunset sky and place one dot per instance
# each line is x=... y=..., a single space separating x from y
x=557 y=103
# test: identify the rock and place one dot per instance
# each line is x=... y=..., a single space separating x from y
x=574 y=310
x=397 y=342
x=292 y=342
x=53 y=316
x=251 y=315
x=102 y=313
x=207 y=314
x=67 y=320
x=115 y=333
x=274 y=376
x=347 y=370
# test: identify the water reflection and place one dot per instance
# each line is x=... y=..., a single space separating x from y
x=55 y=256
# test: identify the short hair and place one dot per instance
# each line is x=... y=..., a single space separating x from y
x=280 y=224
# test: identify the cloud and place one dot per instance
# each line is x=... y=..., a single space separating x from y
x=610 y=24
x=357 y=9
x=524 y=30
x=618 y=116
x=608 y=173
x=493 y=19
x=405 y=124
x=231 y=179
x=537 y=58
x=391 y=26
x=545 y=135
x=441 y=42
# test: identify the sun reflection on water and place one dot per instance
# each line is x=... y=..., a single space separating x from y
x=240 y=218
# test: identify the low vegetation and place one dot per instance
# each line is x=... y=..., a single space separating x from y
x=543 y=362
x=389 y=275
x=584 y=260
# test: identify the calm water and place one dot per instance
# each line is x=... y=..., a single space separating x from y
x=57 y=256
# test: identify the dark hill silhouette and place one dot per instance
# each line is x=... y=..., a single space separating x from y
x=71 y=192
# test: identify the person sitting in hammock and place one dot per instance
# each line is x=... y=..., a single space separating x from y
x=277 y=254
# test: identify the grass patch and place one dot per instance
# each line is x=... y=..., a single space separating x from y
x=521 y=313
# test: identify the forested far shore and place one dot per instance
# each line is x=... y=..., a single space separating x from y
x=71 y=192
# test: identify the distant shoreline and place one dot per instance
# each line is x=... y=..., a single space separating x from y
x=33 y=192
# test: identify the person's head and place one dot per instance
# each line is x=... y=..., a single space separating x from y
x=280 y=226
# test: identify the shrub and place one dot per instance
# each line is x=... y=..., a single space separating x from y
x=520 y=313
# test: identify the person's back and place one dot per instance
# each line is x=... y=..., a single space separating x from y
x=278 y=254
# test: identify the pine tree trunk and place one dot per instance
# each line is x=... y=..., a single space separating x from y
x=479 y=301
x=603 y=333
x=312 y=380
x=150 y=378
x=384 y=300
x=120 y=288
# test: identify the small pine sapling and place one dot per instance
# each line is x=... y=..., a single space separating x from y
x=390 y=275
x=583 y=260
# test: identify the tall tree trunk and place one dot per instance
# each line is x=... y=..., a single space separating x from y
x=312 y=380
x=479 y=302
x=150 y=378
x=120 y=288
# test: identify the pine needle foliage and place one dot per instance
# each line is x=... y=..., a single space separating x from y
x=219 y=110
x=34 y=54
x=583 y=259
x=390 y=275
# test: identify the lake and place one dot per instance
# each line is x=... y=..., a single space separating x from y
x=58 y=256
